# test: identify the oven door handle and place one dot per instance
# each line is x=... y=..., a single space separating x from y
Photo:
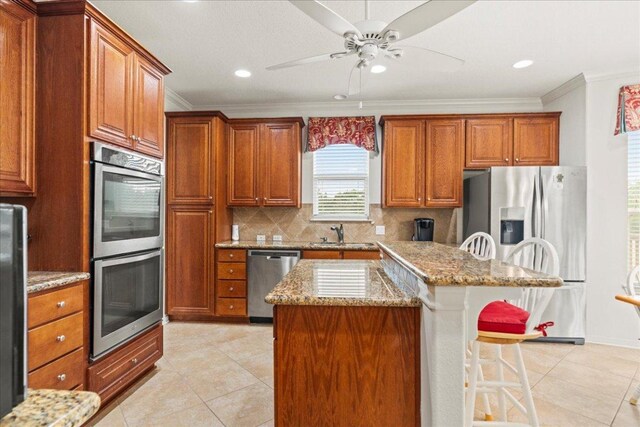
x=100 y=168
x=128 y=259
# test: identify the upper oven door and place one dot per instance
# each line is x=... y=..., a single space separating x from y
x=128 y=211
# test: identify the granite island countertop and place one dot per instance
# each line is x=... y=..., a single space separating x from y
x=442 y=265
x=269 y=244
x=340 y=283
x=42 y=280
x=55 y=408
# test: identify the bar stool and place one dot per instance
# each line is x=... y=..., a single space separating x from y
x=632 y=297
x=480 y=245
x=503 y=323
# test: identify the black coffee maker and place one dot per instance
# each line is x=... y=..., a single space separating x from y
x=423 y=229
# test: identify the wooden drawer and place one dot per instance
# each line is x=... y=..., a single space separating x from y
x=232 y=255
x=321 y=255
x=54 y=305
x=50 y=341
x=361 y=255
x=232 y=271
x=231 y=307
x=65 y=373
x=231 y=288
x=114 y=372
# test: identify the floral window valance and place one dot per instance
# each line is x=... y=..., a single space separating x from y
x=325 y=131
x=628 y=119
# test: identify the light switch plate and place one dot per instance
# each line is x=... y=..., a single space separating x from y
x=380 y=230
x=277 y=238
x=261 y=238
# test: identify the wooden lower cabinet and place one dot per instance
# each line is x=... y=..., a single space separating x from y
x=116 y=371
x=57 y=337
x=353 y=254
x=231 y=283
x=373 y=255
x=377 y=350
x=321 y=254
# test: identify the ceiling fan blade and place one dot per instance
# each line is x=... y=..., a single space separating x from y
x=425 y=16
x=326 y=17
x=437 y=61
x=310 y=60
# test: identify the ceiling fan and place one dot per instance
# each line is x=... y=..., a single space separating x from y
x=370 y=39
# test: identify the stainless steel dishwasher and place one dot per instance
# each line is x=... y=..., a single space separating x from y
x=265 y=269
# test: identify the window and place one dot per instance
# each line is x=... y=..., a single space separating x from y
x=633 y=199
x=341 y=183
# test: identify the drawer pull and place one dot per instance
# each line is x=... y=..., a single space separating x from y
x=61 y=338
x=230 y=288
x=231 y=271
x=231 y=307
x=61 y=304
x=230 y=255
x=62 y=377
x=134 y=360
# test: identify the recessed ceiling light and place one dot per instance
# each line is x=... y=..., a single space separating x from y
x=377 y=69
x=523 y=64
x=243 y=73
x=339 y=97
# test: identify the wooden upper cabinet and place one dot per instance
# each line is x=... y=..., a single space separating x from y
x=148 y=108
x=264 y=167
x=488 y=142
x=243 y=165
x=110 y=98
x=190 y=289
x=190 y=160
x=444 y=156
x=126 y=94
x=280 y=164
x=403 y=162
x=17 y=92
x=535 y=140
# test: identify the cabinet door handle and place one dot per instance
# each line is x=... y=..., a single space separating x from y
x=265 y=199
x=133 y=137
x=257 y=199
x=506 y=160
x=419 y=199
x=230 y=288
x=61 y=338
x=134 y=361
x=231 y=307
x=210 y=197
x=62 y=377
x=61 y=304
x=230 y=271
x=517 y=159
x=230 y=255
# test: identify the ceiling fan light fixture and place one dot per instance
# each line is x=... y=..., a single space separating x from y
x=378 y=68
x=243 y=73
x=339 y=97
x=523 y=64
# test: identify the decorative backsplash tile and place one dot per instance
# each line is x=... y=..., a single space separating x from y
x=295 y=225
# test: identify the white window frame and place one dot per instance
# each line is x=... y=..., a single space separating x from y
x=633 y=172
x=347 y=177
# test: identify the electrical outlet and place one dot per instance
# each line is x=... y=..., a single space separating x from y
x=380 y=230
x=277 y=238
x=261 y=238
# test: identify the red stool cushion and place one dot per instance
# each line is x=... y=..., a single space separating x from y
x=500 y=316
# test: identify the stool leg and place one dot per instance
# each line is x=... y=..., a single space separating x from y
x=526 y=389
x=485 y=397
x=636 y=396
x=502 y=404
x=473 y=384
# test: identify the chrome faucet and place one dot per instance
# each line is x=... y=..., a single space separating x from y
x=340 y=232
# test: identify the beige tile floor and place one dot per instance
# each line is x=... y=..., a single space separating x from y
x=222 y=375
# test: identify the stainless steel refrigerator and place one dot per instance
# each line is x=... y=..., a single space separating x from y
x=515 y=203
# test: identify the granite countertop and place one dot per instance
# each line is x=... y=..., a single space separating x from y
x=339 y=283
x=56 y=408
x=42 y=280
x=269 y=244
x=442 y=265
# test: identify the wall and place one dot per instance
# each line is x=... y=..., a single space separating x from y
x=587 y=124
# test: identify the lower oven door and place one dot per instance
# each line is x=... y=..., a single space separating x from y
x=128 y=295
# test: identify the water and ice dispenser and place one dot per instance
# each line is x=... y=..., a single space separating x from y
x=511 y=225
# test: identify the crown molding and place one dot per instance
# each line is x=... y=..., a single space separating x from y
x=177 y=99
x=563 y=89
x=623 y=74
x=478 y=105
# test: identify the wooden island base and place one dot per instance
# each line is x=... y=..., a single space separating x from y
x=347 y=365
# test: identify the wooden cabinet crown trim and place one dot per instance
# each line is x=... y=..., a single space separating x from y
x=274 y=120
x=78 y=7
x=196 y=114
x=466 y=116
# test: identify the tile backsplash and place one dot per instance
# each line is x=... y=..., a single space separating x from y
x=295 y=225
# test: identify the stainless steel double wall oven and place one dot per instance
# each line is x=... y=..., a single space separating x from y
x=128 y=239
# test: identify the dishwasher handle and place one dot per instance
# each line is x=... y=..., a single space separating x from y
x=275 y=254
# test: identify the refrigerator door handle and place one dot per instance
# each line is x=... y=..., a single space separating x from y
x=534 y=208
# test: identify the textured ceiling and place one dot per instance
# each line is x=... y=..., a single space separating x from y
x=203 y=43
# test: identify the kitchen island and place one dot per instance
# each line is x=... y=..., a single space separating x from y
x=366 y=343
x=346 y=346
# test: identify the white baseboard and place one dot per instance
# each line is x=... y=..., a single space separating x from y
x=613 y=341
